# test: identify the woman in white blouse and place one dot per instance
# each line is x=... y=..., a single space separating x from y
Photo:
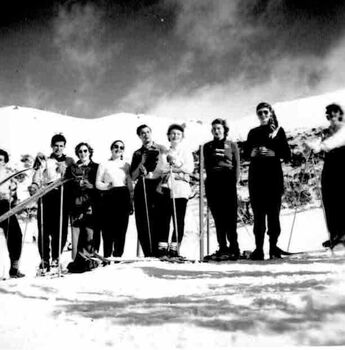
x=177 y=166
x=114 y=181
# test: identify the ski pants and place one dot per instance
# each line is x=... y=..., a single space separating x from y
x=148 y=238
x=266 y=207
x=115 y=214
x=51 y=224
x=12 y=232
x=221 y=196
x=166 y=208
x=333 y=194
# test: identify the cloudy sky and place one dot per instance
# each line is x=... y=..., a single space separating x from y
x=176 y=58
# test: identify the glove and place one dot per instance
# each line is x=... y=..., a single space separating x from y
x=40 y=158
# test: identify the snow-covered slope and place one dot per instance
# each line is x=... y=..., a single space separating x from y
x=28 y=130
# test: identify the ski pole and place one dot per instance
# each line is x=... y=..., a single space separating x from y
x=138 y=247
x=208 y=230
x=201 y=201
x=174 y=207
x=147 y=214
x=60 y=229
x=298 y=200
x=42 y=235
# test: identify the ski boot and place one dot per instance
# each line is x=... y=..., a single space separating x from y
x=43 y=268
x=218 y=255
x=15 y=273
x=257 y=255
x=275 y=253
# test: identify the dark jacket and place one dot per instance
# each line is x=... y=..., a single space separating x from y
x=265 y=173
x=221 y=156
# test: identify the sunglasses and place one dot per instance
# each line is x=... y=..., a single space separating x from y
x=263 y=112
x=118 y=147
x=83 y=150
x=330 y=117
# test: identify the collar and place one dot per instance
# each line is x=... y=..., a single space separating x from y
x=62 y=158
x=79 y=163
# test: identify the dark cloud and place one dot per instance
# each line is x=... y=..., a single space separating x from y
x=176 y=57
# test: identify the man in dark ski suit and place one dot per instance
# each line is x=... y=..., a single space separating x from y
x=50 y=170
x=145 y=171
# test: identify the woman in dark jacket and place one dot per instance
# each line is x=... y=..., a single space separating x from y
x=266 y=145
x=222 y=164
x=84 y=199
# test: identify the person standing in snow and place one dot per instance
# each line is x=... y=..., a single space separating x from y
x=10 y=226
x=114 y=181
x=84 y=199
x=145 y=170
x=177 y=166
x=332 y=144
x=51 y=169
x=266 y=146
x=222 y=165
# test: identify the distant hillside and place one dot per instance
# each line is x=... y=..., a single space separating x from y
x=28 y=130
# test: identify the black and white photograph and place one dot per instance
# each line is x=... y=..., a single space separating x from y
x=172 y=174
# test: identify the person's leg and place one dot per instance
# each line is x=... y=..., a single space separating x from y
x=88 y=242
x=273 y=225
x=53 y=222
x=154 y=199
x=180 y=206
x=14 y=244
x=230 y=213
x=75 y=240
x=108 y=221
x=328 y=204
x=215 y=203
x=121 y=204
x=259 y=228
x=164 y=206
x=140 y=219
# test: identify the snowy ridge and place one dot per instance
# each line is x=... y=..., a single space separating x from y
x=28 y=130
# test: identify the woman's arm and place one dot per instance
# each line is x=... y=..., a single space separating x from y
x=236 y=157
x=100 y=184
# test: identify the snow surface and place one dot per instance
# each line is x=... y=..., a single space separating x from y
x=151 y=304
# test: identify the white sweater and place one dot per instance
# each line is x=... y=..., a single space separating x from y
x=113 y=173
x=184 y=167
x=335 y=141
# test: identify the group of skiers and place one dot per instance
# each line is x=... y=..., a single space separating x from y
x=98 y=198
